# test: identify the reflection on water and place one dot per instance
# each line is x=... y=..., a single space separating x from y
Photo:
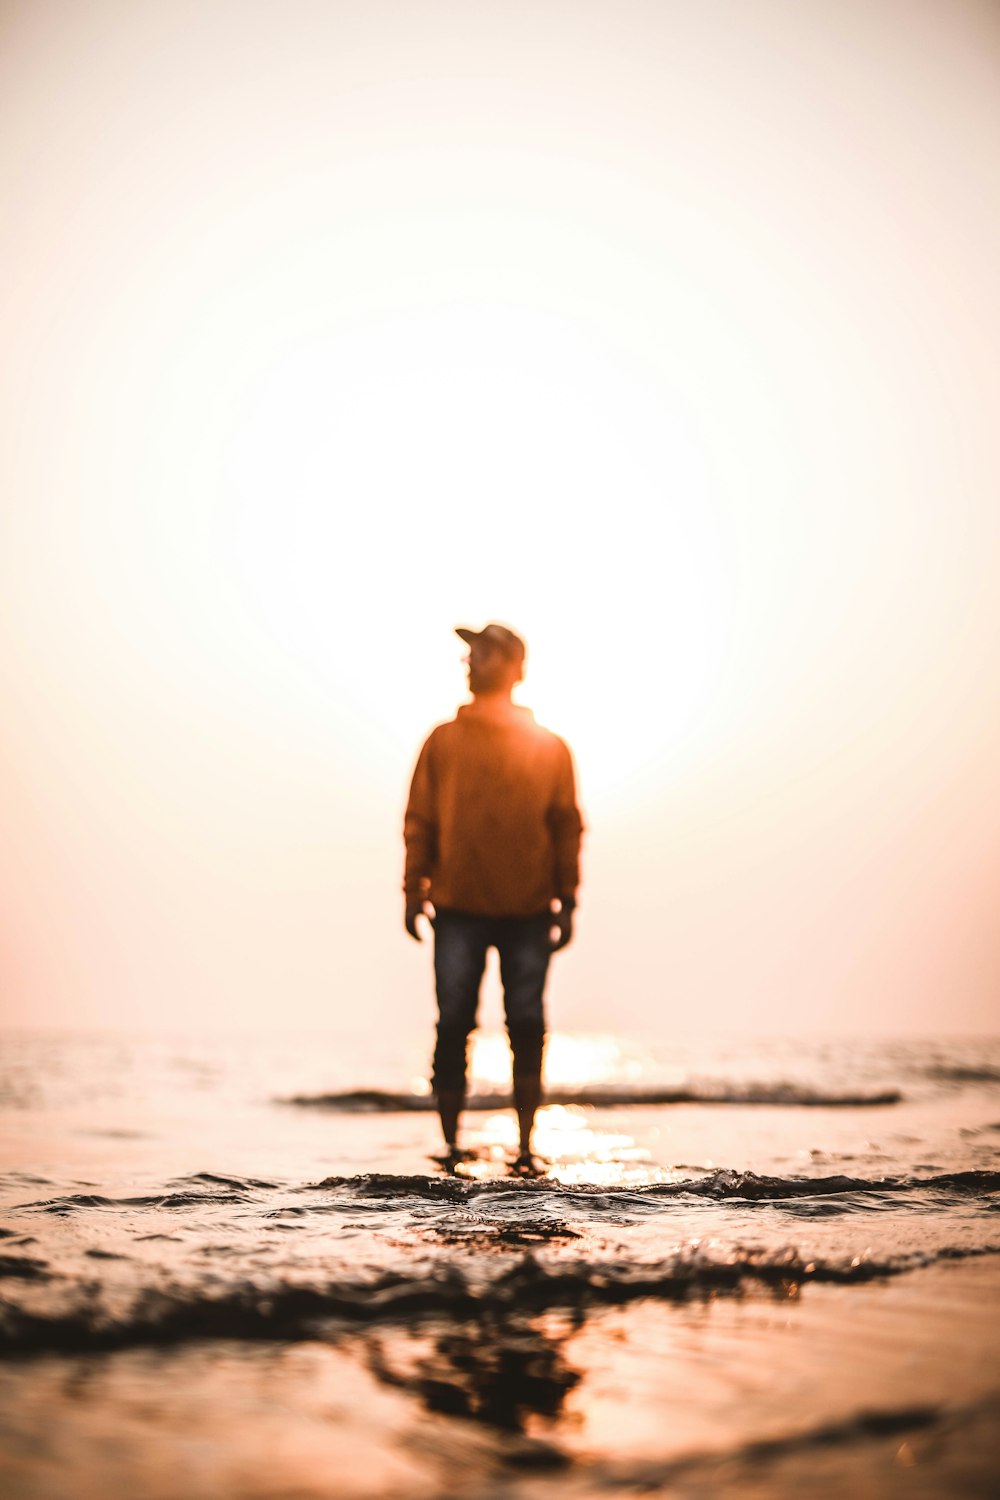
x=508 y=1372
x=570 y=1146
x=719 y=1370
x=568 y=1137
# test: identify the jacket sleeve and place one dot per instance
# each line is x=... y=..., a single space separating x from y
x=566 y=824
x=420 y=827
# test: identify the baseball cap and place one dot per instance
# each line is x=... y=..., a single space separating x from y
x=500 y=636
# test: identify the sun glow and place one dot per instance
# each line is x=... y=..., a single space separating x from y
x=570 y=1060
x=400 y=330
x=486 y=462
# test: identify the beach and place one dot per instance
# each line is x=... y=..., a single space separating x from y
x=230 y=1267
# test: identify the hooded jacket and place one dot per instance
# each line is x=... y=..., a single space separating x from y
x=492 y=826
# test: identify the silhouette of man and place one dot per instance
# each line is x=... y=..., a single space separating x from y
x=492 y=833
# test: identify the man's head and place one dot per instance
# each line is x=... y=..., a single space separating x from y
x=495 y=660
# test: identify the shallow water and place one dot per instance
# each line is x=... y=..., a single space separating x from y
x=225 y=1273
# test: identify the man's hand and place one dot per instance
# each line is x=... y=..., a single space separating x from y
x=416 y=907
x=563 y=921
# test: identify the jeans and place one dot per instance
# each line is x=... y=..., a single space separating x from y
x=461 y=942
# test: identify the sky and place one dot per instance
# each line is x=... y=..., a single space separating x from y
x=664 y=333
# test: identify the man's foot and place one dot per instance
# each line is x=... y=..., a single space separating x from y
x=450 y=1158
x=528 y=1165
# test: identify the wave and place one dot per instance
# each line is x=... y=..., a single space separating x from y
x=73 y=1202
x=603 y=1096
x=215 y=1179
x=180 y=1192
x=962 y=1073
x=393 y=1189
x=298 y=1311
x=24 y=1267
x=720 y=1184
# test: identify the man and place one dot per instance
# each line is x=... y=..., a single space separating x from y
x=492 y=834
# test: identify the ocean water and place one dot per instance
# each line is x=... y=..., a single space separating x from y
x=229 y=1266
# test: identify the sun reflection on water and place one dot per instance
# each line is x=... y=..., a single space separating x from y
x=571 y=1147
x=566 y=1138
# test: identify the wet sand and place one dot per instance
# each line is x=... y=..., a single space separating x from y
x=890 y=1388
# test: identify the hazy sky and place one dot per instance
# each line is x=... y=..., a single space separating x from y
x=665 y=332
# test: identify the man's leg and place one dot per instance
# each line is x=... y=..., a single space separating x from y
x=524 y=963
x=460 y=943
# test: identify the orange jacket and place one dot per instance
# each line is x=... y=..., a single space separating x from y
x=492 y=826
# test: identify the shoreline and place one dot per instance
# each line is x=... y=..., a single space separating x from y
x=573 y=1401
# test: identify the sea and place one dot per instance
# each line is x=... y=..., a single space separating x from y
x=233 y=1266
